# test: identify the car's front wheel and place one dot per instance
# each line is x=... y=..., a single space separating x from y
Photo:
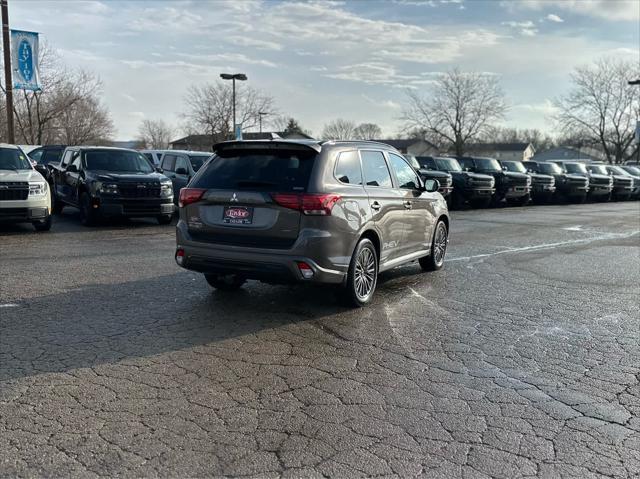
x=88 y=216
x=230 y=282
x=164 y=219
x=43 y=225
x=435 y=260
x=363 y=274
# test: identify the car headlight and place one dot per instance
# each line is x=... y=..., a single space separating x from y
x=37 y=188
x=166 y=190
x=108 y=188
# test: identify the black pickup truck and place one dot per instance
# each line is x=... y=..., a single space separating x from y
x=543 y=187
x=513 y=187
x=569 y=187
x=107 y=182
x=473 y=188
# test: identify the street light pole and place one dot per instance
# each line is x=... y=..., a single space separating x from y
x=8 y=82
x=233 y=77
x=260 y=114
x=637 y=83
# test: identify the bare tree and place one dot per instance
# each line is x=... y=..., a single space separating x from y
x=49 y=115
x=339 y=130
x=459 y=109
x=602 y=107
x=155 y=134
x=539 y=140
x=367 y=131
x=209 y=108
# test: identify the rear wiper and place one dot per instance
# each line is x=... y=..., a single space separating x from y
x=249 y=183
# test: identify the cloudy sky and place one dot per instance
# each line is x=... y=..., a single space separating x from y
x=326 y=59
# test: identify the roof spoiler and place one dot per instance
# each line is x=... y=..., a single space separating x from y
x=273 y=144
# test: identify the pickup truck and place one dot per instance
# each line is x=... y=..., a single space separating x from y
x=107 y=182
x=514 y=188
x=24 y=193
x=472 y=188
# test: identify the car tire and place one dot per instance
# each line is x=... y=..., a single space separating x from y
x=484 y=203
x=231 y=282
x=88 y=216
x=43 y=225
x=580 y=199
x=56 y=204
x=522 y=201
x=435 y=261
x=362 y=276
x=164 y=219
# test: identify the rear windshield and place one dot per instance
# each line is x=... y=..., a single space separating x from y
x=262 y=170
x=117 y=161
x=197 y=161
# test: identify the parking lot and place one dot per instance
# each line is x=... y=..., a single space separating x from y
x=521 y=357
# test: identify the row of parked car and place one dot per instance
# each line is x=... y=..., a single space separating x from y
x=103 y=182
x=482 y=182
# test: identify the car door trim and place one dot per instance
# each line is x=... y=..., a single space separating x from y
x=404 y=259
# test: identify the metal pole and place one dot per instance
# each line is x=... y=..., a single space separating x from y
x=260 y=119
x=234 y=108
x=7 y=69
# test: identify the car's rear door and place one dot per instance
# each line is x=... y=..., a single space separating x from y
x=386 y=203
x=251 y=197
x=419 y=210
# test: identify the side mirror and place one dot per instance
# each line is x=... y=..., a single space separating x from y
x=42 y=169
x=181 y=171
x=504 y=168
x=431 y=185
x=159 y=170
x=72 y=169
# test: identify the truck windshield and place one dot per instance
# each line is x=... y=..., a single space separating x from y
x=117 y=161
x=549 y=169
x=13 y=159
x=616 y=170
x=198 y=160
x=448 y=164
x=487 y=164
x=577 y=168
x=599 y=169
x=514 y=166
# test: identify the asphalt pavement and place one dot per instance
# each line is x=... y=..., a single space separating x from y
x=520 y=358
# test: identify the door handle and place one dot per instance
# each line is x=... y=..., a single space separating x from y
x=375 y=206
x=408 y=205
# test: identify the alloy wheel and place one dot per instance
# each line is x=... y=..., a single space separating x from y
x=440 y=244
x=365 y=273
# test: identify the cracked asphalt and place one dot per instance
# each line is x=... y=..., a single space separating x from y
x=520 y=358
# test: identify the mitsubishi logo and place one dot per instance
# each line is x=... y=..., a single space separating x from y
x=234 y=198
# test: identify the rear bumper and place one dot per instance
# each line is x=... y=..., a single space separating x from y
x=268 y=265
x=135 y=208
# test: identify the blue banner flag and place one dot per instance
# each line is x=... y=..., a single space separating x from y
x=24 y=60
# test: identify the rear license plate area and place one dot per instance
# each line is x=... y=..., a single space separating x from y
x=237 y=215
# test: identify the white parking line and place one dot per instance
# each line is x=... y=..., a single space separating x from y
x=525 y=249
x=8 y=305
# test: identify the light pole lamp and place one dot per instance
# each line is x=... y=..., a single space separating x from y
x=233 y=77
x=260 y=115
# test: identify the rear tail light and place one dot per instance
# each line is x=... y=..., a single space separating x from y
x=190 y=195
x=180 y=256
x=307 y=203
x=305 y=270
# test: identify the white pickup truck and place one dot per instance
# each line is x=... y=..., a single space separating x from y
x=24 y=193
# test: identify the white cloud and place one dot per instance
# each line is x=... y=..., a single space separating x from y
x=526 y=29
x=614 y=10
x=552 y=17
x=228 y=58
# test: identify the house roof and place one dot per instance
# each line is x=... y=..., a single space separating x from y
x=515 y=146
x=403 y=143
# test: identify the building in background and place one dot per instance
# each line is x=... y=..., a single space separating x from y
x=570 y=153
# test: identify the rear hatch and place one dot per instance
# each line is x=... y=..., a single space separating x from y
x=250 y=194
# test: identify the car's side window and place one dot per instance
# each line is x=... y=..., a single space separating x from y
x=374 y=167
x=169 y=162
x=466 y=163
x=181 y=162
x=76 y=161
x=348 y=168
x=66 y=158
x=51 y=155
x=407 y=178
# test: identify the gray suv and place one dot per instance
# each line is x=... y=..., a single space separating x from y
x=283 y=211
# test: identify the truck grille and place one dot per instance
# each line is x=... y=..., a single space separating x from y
x=600 y=181
x=14 y=190
x=624 y=181
x=140 y=190
x=480 y=183
x=578 y=181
